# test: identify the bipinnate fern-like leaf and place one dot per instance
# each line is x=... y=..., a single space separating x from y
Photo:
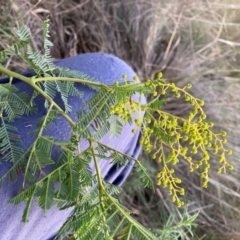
x=44 y=147
x=28 y=206
x=23 y=34
x=73 y=188
x=110 y=222
x=66 y=72
x=119 y=158
x=24 y=195
x=162 y=135
x=46 y=194
x=43 y=66
x=143 y=175
x=94 y=114
x=10 y=143
x=22 y=40
x=72 y=182
x=45 y=189
x=62 y=87
x=14 y=104
x=156 y=103
x=116 y=126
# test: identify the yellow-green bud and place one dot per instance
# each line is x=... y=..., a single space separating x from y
x=201 y=103
x=230 y=167
x=224 y=140
x=159 y=75
x=229 y=152
x=224 y=134
x=135 y=78
x=124 y=76
x=177 y=95
x=187 y=98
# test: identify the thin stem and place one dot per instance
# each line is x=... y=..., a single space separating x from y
x=35 y=143
x=14 y=75
x=32 y=81
x=77 y=80
x=123 y=154
x=98 y=171
x=132 y=221
x=79 y=149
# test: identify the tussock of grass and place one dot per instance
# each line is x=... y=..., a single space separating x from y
x=190 y=41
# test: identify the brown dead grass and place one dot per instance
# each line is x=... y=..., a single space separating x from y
x=189 y=40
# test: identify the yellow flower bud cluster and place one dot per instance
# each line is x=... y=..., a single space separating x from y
x=170 y=138
x=195 y=131
x=166 y=180
x=154 y=84
x=128 y=109
x=145 y=140
x=125 y=110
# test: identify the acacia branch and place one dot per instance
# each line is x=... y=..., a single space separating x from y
x=30 y=81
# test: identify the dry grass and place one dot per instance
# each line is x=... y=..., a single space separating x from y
x=190 y=41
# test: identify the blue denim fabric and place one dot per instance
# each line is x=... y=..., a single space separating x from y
x=105 y=68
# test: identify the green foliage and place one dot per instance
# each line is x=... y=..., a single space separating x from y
x=22 y=40
x=171 y=230
x=14 y=104
x=97 y=214
x=9 y=144
x=116 y=126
